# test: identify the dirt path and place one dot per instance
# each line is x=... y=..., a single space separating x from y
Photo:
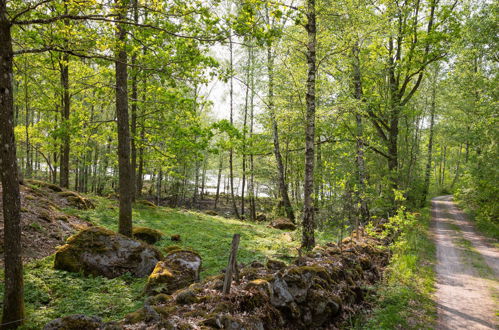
x=467 y=271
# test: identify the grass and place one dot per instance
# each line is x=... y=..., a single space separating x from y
x=50 y=293
x=404 y=299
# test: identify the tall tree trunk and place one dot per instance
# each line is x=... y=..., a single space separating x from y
x=245 y=128
x=360 y=163
x=65 y=146
x=251 y=183
x=231 y=151
x=124 y=166
x=308 y=239
x=426 y=186
x=283 y=187
x=13 y=295
x=133 y=126
x=29 y=162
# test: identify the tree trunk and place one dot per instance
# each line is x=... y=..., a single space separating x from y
x=231 y=151
x=133 y=126
x=124 y=166
x=426 y=186
x=361 y=169
x=219 y=177
x=251 y=183
x=308 y=239
x=283 y=187
x=65 y=146
x=13 y=295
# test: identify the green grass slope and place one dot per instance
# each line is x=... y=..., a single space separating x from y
x=51 y=293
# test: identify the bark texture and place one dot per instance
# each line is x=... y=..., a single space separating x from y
x=124 y=167
x=13 y=299
x=308 y=239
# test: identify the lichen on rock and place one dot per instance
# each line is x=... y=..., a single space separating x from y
x=283 y=224
x=101 y=252
x=147 y=235
x=179 y=269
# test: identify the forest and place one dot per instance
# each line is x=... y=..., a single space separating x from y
x=249 y=164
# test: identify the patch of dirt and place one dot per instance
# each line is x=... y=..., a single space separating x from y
x=464 y=295
x=44 y=224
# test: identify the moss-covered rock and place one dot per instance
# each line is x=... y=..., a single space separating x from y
x=98 y=251
x=147 y=235
x=283 y=224
x=186 y=297
x=178 y=270
x=275 y=264
x=211 y=212
x=44 y=184
x=75 y=322
x=146 y=203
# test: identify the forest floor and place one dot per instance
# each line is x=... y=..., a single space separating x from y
x=467 y=286
x=48 y=219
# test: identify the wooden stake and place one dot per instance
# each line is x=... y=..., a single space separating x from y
x=232 y=266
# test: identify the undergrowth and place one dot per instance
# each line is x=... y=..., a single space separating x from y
x=404 y=299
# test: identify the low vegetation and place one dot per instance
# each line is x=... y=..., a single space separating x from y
x=51 y=293
x=404 y=299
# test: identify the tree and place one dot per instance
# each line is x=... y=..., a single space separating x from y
x=13 y=303
x=308 y=239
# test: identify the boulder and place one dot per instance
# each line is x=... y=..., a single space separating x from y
x=261 y=217
x=147 y=235
x=211 y=212
x=75 y=322
x=283 y=224
x=145 y=202
x=76 y=200
x=101 y=252
x=275 y=264
x=178 y=270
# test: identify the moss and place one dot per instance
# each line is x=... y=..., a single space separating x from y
x=172 y=248
x=146 y=203
x=169 y=253
x=165 y=311
x=318 y=270
x=147 y=235
x=48 y=185
x=62 y=217
x=211 y=212
x=136 y=317
x=45 y=215
x=159 y=299
x=67 y=193
x=275 y=264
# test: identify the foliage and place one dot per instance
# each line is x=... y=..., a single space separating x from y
x=404 y=299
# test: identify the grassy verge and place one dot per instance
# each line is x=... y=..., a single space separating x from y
x=484 y=221
x=404 y=299
x=50 y=293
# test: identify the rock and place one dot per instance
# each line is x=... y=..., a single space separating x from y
x=186 y=297
x=283 y=224
x=175 y=238
x=261 y=217
x=75 y=200
x=147 y=235
x=43 y=184
x=256 y=264
x=75 y=322
x=146 y=203
x=178 y=270
x=101 y=252
x=275 y=264
x=211 y=212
